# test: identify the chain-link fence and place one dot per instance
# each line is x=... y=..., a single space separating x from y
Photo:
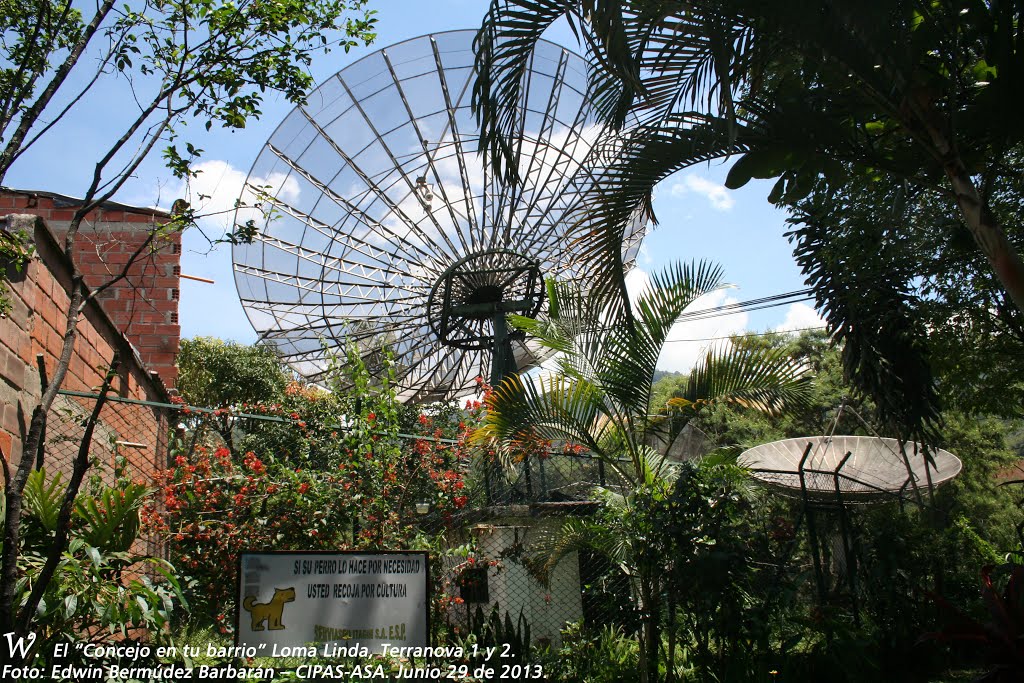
x=550 y=478
x=530 y=573
x=133 y=430
x=514 y=532
x=526 y=572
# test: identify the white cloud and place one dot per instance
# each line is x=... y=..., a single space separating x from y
x=799 y=317
x=717 y=195
x=644 y=255
x=679 y=355
x=218 y=185
x=207 y=309
x=637 y=280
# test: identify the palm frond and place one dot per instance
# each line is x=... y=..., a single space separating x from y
x=600 y=396
x=575 y=324
x=582 y=534
x=633 y=352
x=652 y=467
x=764 y=379
x=555 y=407
x=649 y=155
x=504 y=48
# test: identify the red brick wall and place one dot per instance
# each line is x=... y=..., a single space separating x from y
x=36 y=326
x=144 y=305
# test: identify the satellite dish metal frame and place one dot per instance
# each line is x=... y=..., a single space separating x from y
x=467 y=292
x=487 y=285
x=811 y=506
x=377 y=195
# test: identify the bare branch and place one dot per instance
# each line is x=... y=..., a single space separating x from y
x=60 y=535
x=124 y=271
x=100 y=70
x=59 y=76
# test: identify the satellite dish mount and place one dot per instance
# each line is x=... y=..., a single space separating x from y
x=486 y=285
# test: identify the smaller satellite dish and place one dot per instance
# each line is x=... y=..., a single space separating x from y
x=853 y=469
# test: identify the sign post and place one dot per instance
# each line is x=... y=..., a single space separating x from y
x=291 y=601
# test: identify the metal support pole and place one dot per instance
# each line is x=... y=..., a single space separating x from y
x=487 y=482
x=543 y=480
x=500 y=361
x=849 y=561
x=529 y=478
x=819 y=574
x=812 y=530
x=500 y=354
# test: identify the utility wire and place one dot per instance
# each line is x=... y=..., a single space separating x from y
x=747 y=334
x=772 y=301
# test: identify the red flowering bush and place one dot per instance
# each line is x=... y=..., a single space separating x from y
x=329 y=471
x=211 y=507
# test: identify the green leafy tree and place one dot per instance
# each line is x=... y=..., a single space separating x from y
x=806 y=93
x=902 y=552
x=599 y=398
x=890 y=249
x=182 y=61
x=216 y=374
x=229 y=377
x=728 y=425
x=984 y=441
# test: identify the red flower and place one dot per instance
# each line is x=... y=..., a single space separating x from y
x=303 y=487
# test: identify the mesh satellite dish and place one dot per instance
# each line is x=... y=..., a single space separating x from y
x=381 y=226
x=847 y=469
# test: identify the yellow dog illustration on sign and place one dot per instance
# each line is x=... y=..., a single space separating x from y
x=270 y=612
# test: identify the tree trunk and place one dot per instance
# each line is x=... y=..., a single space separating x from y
x=987 y=233
x=983 y=225
x=650 y=633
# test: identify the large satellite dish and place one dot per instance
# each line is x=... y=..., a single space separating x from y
x=847 y=469
x=381 y=225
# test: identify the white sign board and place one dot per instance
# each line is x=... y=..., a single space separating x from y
x=333 y=600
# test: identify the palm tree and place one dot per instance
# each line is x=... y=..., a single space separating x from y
x=599 y=397
x=804 y=92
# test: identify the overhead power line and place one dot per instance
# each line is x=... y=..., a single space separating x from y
x=772 y=301
x=746 y=334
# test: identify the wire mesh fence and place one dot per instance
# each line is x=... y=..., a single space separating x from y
x=130 y=431
x=523 y=508
x=517 y=577
x=551 y=478
x=135 y=430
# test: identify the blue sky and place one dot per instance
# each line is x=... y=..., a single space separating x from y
x=699 y=219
